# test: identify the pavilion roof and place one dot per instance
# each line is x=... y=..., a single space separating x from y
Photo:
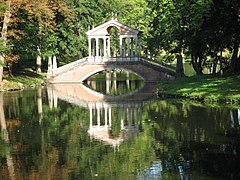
x=103 y=29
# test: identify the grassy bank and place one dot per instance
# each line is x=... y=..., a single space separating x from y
x=203 y=88
x=22 y=80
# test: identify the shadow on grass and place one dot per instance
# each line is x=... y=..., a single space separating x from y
x=27 y=72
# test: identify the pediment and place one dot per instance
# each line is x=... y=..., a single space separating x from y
x=103 y=29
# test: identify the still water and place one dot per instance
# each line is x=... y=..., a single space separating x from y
x=99 y=130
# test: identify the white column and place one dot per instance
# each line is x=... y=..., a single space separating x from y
x=128 y=117
x=131 y=47
x=55 y=100
x=107 y=83
x=109 y=53
x=121 y=46
x=132 y=113
x=50 y=97
x=128 y=41
x=115 y=81
x=110 y=117
x=93 y=47
x=100 y=49
x=137 y=116
x=122 y=119
x=39 y=103
x=50 y=68
x=97 y=48
x=124 y=47
x=136 y=46
x=89 y=47
x=127 y=81
x=54 y=62
x=98 y=116
x=106 y=124
x=104 y=47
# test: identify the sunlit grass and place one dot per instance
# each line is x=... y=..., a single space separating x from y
x=206 y=88
x=22 y=80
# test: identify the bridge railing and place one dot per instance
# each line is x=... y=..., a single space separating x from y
x=75 y=64
x=69 y=66
x=112 y=59
x=155 y=64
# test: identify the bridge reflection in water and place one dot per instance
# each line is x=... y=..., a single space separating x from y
x=101 y=107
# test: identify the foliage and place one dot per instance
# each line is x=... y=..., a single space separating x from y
x=204 y=28
x=201 y=30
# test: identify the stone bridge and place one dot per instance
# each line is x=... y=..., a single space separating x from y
x=80 y=70
x=104 y=56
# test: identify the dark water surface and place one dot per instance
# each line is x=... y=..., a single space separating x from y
x=73 y=132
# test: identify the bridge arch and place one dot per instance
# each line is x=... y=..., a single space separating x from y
x=79 y=73
x=109 y=68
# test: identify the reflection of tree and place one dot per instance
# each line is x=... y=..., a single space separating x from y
x=59 y=146
x=5 y=136
x=195 y=132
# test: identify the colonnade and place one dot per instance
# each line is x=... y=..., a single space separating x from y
x=102 y=116
x=100 y=46
x=128 y=46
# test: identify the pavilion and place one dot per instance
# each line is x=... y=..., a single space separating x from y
x=99 y=42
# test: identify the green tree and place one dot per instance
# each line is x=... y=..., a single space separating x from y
x=202 y=29
x=168 y=30
x=4 y=7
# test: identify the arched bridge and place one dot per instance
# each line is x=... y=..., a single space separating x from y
x=103 y=57
x=80 y=70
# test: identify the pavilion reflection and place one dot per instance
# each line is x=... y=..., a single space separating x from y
x=105 y=111
x=101 y=118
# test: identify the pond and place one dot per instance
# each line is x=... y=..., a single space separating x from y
x=115 y=130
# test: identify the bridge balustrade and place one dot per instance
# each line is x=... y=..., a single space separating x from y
x=113 y=59
x=116 y=61
x=69 y=66
x=85 y=60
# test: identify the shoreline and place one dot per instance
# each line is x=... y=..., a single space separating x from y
x=204 y=89
x=22 y=81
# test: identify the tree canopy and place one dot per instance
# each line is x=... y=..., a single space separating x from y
x=204 y=32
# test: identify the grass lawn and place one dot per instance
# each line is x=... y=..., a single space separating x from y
x=21 y=80
x=205 y=88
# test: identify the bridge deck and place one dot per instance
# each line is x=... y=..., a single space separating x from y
x=141 y=66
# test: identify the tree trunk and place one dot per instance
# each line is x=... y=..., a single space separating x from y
x=234 y=61
x=7 y=16
x=196 y=65
x=9 y=67
x=214 y=69
x=179 y=68
x=221 y=63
